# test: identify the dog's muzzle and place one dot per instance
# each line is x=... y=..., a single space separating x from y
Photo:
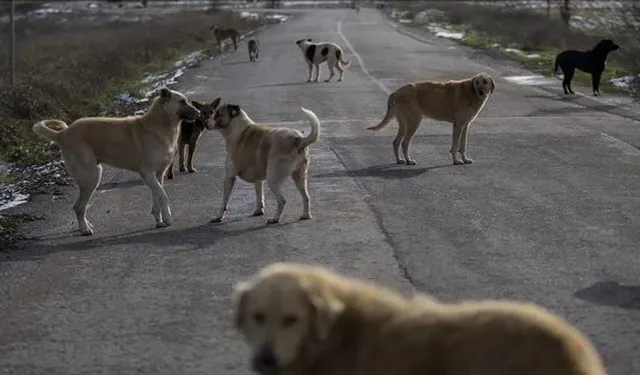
x=189 y=114
x=265 y=361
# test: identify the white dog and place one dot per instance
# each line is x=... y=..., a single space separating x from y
x=318 y=53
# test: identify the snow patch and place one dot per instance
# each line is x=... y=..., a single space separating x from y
x=441 y=32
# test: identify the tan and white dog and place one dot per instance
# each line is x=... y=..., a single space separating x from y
x=307 y=320
x=257 y=153
x=145 y=144
x=317 y=53
x=457 y=102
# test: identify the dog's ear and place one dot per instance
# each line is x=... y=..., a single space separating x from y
x=215 y=103
x=309 y=40
x=240 y=291
x=197 y=104
x=493 y=84
x=165 y=93
x=472 y=86
x=326 y=309
x=234 y=110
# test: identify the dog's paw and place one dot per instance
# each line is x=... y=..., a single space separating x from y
x=258 y=212
x=457 y=162
x=192 y=170
x=182 y=168
x=339 y=79
x=170 y=176
x=216 y=220
x=411 y=162
x=400 y=161
x=162 y=224
x=467 y=160
x=309 y=80
x=305 y=217
x=88 y=231
x=273 y=221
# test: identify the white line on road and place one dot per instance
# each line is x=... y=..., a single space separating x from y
x=361 y=62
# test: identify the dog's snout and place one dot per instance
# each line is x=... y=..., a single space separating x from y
x=265 y=361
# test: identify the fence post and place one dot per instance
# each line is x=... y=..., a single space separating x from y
x=12 y=44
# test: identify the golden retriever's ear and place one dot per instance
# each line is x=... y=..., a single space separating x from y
x=240 y=295
x=327 y=309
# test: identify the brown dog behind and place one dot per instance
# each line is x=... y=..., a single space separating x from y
x=306 y=320
x=190 y=133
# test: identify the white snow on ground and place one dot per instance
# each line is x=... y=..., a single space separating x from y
x=444 y=33
x=532 y=80
x=12 y=194
x=521 y=53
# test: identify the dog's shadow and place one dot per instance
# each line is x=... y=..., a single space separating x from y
x=195 y=238
x=387 y=171
x=611 y=293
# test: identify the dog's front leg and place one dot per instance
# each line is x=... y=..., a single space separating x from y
x=259 y=198
x=229 y=182
x=181 y=157
x=192 y=150
x=160 y=209
x=595 y=83
x=310 y=72
x=463 y=145
x=455 y=143
x=317 y=73
x=275 y=179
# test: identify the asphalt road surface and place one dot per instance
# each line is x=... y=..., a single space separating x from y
x=547 y=213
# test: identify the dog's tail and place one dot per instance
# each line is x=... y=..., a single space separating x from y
x=391 y=112
x=339 y=57
x=315 y=129
x=555 y=66
x=50 y=129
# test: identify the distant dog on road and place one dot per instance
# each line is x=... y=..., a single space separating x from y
x=317 y=53
x=222 y=34
x=190 y=133
x=145 y=144
x=457 y=102
x=592 y=62
x=256 y=153
x=254 y=50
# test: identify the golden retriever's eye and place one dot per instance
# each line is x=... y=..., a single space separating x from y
x=259 y=318
x=289 y=320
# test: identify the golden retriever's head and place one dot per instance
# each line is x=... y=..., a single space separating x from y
x=176 y=105
x=283 y=316
x=206 y=111
x=482 y=84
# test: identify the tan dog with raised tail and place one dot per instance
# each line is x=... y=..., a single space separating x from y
x=306 y=320
x=145 y=144
x=457 y=102
x=257 y=153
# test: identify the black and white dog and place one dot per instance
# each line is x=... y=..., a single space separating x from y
x=317 y=53
x=592 y=61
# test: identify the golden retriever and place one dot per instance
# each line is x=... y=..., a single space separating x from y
x=145 y=144
x=306 y=320
x=257 y=153
x=457 y=102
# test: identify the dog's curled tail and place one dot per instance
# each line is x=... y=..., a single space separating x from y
x=342 y=61
x=315 y=129
x=391 y=111
x=50 y=129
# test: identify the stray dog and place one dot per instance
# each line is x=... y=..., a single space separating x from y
x=302 y=319
x=254 y=50
x=592 y=62
x=222 y=34
x=457 y=102
x=145 y=144
x=190 y=133
x=317 y=53
x=257 y=153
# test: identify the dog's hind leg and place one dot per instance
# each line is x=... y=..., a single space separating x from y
x=331 y=73
x=396 y=143
x=410 y=123
x=317 y=73
x=259 y=186
x=87 y=177
x=275 y=179
x=192 y=150
x=463 y=144
x=160 y=208
x=299 y=177
x=566 y=82
x=341 y=70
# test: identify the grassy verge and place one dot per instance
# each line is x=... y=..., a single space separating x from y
x=499 y=28
x=74 y=65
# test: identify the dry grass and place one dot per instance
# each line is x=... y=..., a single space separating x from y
x=528 y=30
x=72 y=69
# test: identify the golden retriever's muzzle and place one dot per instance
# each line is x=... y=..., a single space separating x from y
x=265 y=361
x=188 y=113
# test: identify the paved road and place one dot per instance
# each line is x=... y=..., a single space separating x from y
x=548 y=213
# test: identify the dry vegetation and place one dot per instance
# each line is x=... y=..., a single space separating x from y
x=72 y=69
x=529 y=30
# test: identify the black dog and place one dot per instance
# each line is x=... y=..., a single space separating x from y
x=587 y=61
